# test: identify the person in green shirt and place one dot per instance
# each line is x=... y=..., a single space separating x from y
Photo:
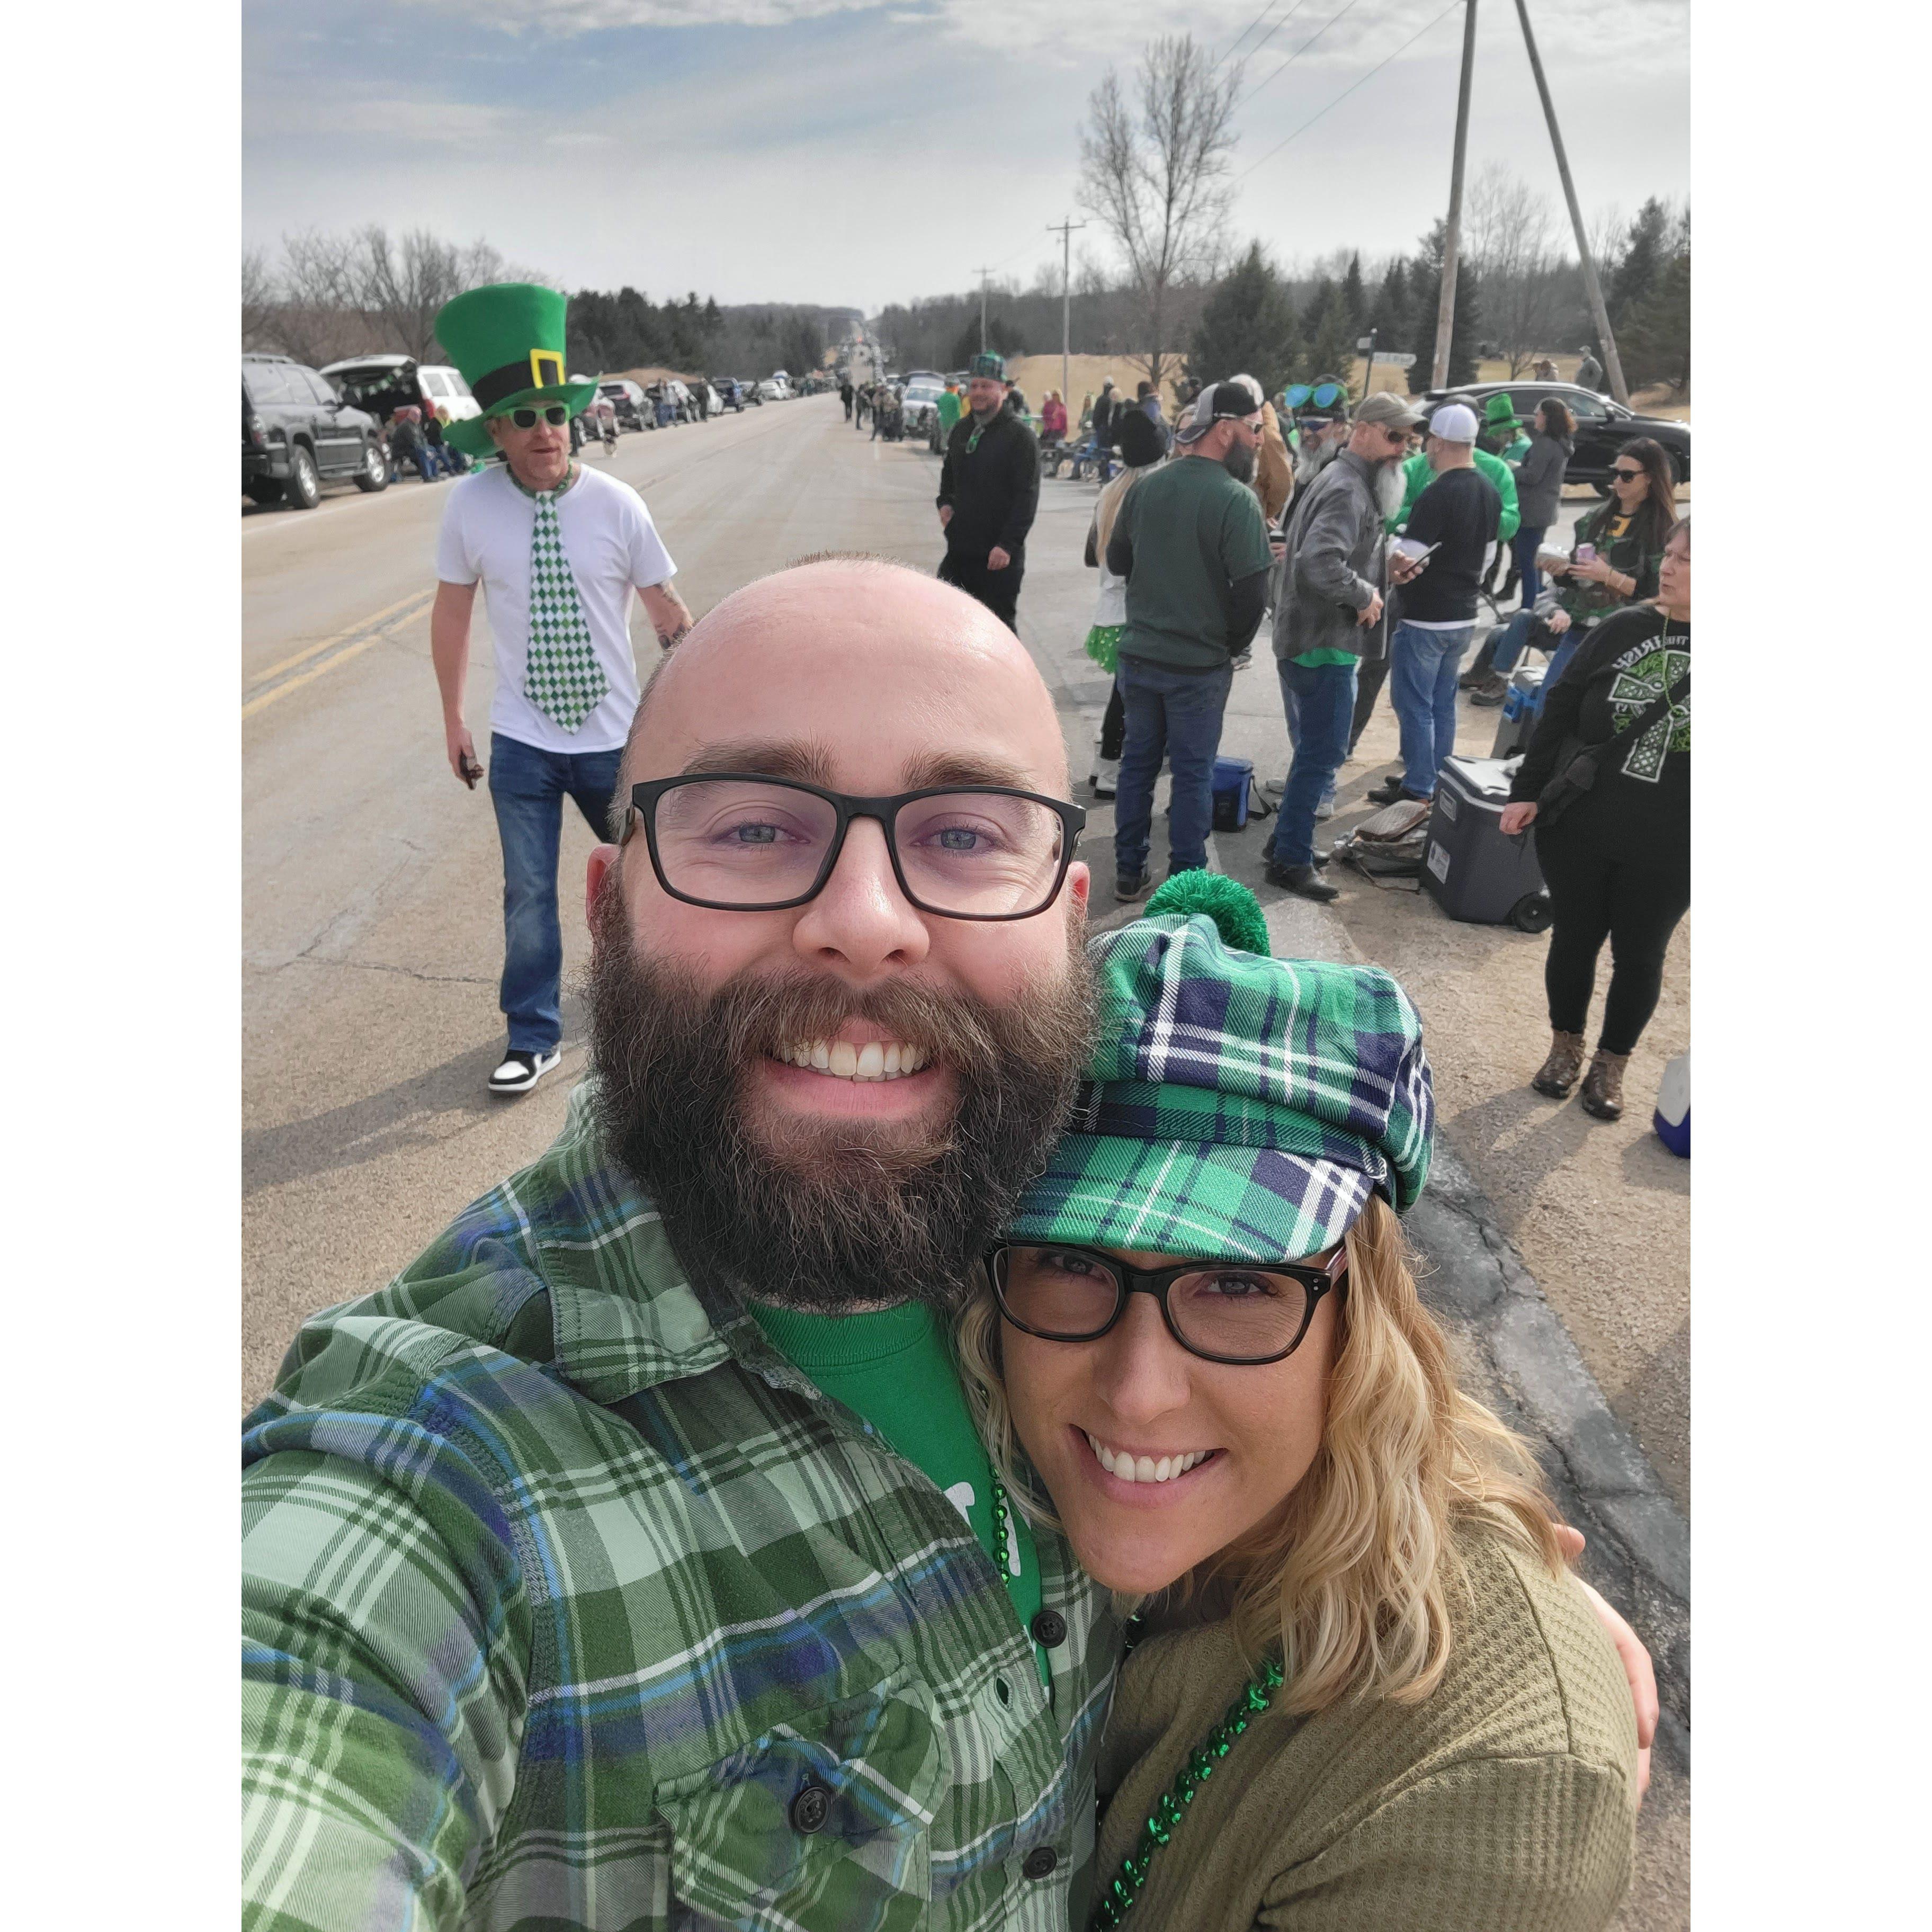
x=1190 y=543
x=950 y=407
x=1364 y=1690
x=1418 y=474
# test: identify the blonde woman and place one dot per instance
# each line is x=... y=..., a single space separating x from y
x=1367 y=1694
x=1141 y=449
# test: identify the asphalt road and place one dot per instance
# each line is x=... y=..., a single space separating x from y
x=372 y=881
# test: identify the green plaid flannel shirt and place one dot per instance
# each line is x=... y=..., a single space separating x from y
x=558 y=1592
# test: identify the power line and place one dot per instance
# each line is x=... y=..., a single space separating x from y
x=1274 y=30
x=1246 y=31
x=1299 y=51
x=1346 y=92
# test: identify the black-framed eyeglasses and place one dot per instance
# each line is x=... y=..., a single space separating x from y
x=1626 y=475
x=556 y=414
x=738 y=842
x=1235 y=1312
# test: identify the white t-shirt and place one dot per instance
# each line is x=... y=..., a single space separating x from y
x=613 y=548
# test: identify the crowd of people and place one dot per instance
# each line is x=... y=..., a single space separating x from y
x=731 y=1519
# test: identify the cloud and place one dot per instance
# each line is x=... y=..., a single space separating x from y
x=566 y=19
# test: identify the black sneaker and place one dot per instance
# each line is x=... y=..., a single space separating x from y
x=1128 y=887
x=1386 y=792
x=521 y=1071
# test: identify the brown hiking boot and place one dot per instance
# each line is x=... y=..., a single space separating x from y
x=1558 y=1074
x=1491 y=692
x=1602 y=1093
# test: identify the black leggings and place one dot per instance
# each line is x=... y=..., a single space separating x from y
x=1598 y=890
x=1114 y=726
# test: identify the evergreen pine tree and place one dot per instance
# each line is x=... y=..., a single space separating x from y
x=1355 y=296
x=1425 y=278
x=1654 y=340
x=1390 y=316
x=1331 y=345
x=1248 y=327
x=1644 y=257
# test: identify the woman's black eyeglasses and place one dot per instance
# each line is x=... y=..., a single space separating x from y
x=1239 y=1312
x=556 y=414
x=737 y=842
x=1626 y=475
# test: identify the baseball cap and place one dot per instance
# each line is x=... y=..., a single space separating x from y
x=1219 y=402
x=1237 y=1106
x=1454 y=422
x=1386 y=407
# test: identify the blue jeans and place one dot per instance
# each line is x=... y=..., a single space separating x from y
x=1321 y=699
x=1423 y=666
x=1523 y=547
x=1559 y=658
x=528 y=787
x=1293 y=706
x=1176 y=713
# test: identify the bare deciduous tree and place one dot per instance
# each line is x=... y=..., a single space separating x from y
x=1154 y=173
x=1512 y=248
x=260 y=297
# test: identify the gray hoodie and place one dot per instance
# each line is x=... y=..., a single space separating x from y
x=1334 y=559
x=1539 y=480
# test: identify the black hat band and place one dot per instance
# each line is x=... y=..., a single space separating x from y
x=541 y=369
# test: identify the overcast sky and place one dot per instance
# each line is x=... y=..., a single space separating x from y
x=843 y=152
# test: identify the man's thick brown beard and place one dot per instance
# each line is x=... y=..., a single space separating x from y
x=843 y=1212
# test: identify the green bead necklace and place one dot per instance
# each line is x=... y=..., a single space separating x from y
x=1002 y=1547
x=1117 y=1899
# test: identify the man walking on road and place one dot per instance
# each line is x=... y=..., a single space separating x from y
x=845 y=395
x=1456 y=518
x=988 y=491
x=1331 y=603
x=1190 y=542
x=559 y=549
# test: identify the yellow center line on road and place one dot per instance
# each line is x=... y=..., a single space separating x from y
x=268 y=697
x=416 y=599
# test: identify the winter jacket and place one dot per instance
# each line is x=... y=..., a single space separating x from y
x=991 y=478
x=1636 y=553
x=1539 y=483
x=1420 y=473
x=1333 y=565
x=1274 y=474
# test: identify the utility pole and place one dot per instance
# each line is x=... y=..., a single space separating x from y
x=1452 y=237
x=982 y=274
x=1612 y=363
x=1064 y=230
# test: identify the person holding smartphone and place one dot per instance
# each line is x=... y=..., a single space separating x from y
x=1453 y=524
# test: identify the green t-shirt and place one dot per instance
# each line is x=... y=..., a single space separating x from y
x=949 y=407
x=1315 y=660
x=894 y=1369
x=1195 y=531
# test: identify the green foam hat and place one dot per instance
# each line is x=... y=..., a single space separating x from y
x=1237 y=1107
x=508 y=340
x=1499 y=413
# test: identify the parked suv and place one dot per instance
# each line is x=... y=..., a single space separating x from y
x=1603 y=426
x=383 y=384
x=297 y=434
x=627 y=398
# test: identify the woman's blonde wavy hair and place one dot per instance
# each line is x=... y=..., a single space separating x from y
x=1353 y=1575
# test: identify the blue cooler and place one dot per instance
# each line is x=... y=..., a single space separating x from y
x=1519 y=709
x=1232 y=778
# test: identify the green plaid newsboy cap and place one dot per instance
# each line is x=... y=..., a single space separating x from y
x=989 y=365
x=1238 y=1107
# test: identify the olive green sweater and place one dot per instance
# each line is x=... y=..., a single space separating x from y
x=1504 y=1802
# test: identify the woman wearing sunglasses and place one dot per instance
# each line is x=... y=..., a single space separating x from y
x=1612 y=565
x=1365 y=1694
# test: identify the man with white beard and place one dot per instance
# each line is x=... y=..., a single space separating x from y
x=1331 y=602
x=1321 y=441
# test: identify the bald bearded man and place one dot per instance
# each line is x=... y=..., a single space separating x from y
x=627 y=1561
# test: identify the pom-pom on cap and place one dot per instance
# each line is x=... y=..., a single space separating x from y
x=1236 y=912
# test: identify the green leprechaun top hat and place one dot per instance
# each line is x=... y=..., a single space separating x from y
x=508 y=339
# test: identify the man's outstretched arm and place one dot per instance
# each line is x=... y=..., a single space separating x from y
x=385 y=1636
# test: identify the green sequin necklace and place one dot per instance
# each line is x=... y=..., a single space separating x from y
x=1116 y=1902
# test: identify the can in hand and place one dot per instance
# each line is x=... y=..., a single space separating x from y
x=1586 y=552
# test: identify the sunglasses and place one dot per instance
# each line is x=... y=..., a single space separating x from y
x=1626 y=475
x=1321 y=395
x=556 y=414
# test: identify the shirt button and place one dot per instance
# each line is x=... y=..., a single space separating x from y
x=1049 y=1629
x=1040 y=1862
x=811 y=1808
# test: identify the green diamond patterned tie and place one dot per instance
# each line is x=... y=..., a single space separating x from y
x=562 y=677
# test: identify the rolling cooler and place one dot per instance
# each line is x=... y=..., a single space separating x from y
x=1519 y=718
x=1468 y=867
